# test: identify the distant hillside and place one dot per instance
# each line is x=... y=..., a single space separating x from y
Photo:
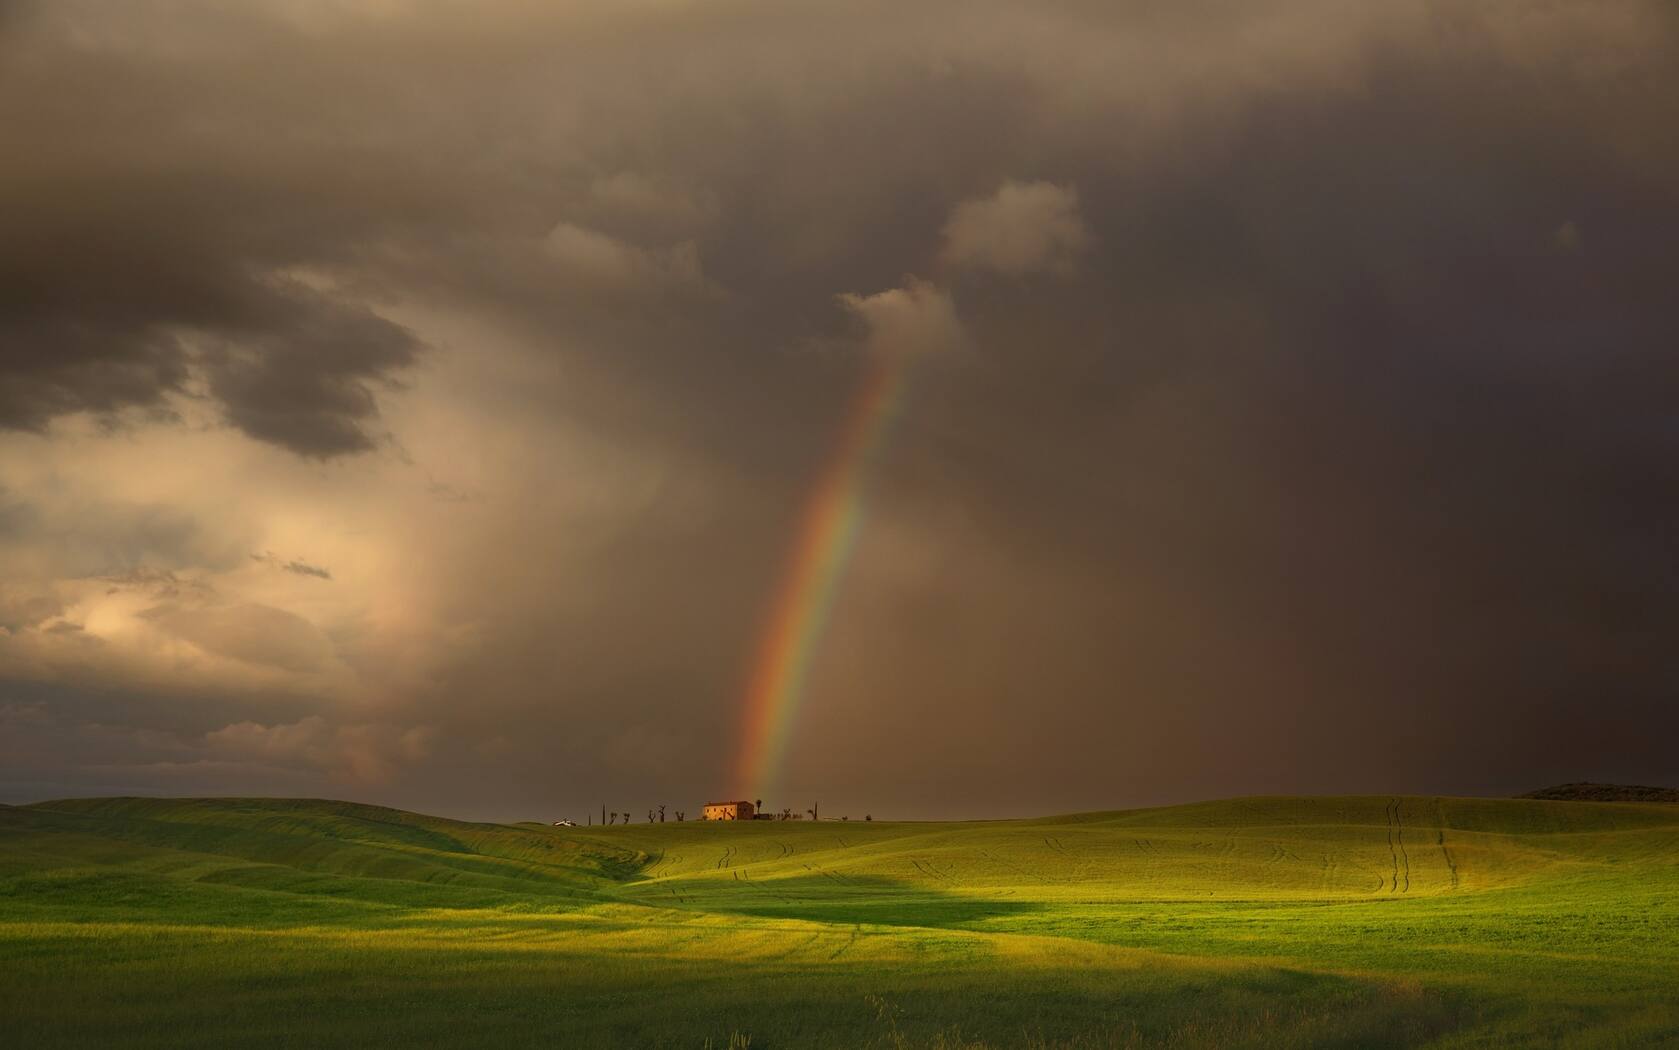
x=1585 y=792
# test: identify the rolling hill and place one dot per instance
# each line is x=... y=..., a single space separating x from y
x=1264 y=921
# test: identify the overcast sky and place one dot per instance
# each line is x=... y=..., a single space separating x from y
x=415 y=402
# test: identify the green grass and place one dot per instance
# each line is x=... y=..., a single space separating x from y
x=1347 y=922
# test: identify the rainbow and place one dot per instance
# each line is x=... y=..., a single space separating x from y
x=810 y=580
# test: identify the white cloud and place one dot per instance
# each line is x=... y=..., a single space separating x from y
x=1023 y=227
x=915 y=319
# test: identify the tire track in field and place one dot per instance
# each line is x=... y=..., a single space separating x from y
x=1041 y=875
x=1280 y=853
x=1440 y=840
x=744 y=877
x=1331 y=868
x=793 y=949
x=926 y=868
x=830 y=875
x=727 y=859
x=1387 y=814
x=1399 y=835
x=1017 y=869
x=842 y=949
x=1396 y=848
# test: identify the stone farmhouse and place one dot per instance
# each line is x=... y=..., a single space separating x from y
x=729 y=811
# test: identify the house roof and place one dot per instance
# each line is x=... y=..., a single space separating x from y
x=741 y=802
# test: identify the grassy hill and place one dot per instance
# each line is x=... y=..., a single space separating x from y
x=1263 y=922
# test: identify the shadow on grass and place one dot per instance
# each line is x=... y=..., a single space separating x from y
x=834 y=898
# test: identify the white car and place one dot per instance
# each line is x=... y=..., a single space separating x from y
x=565 y=823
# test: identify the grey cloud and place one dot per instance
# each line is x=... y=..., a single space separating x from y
x=123 y=542
x=294 y=566
x=603 y=262
x=287 y=366
x=58 y=365
x=138 y=257
x=248 y=631
x=24 y=606
x=56 y=742
x=305 y=569
x=304 y=380
x=651 y=206
x=157 y=583
x=367 y=752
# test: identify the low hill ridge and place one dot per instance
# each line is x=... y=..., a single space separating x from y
x=1264 y=847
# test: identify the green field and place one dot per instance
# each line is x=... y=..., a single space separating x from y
x=1255 y=922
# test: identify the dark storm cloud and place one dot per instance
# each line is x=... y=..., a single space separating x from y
x=303 y=381
x=1314 y=386
x=106 y=319
x=134 y=252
